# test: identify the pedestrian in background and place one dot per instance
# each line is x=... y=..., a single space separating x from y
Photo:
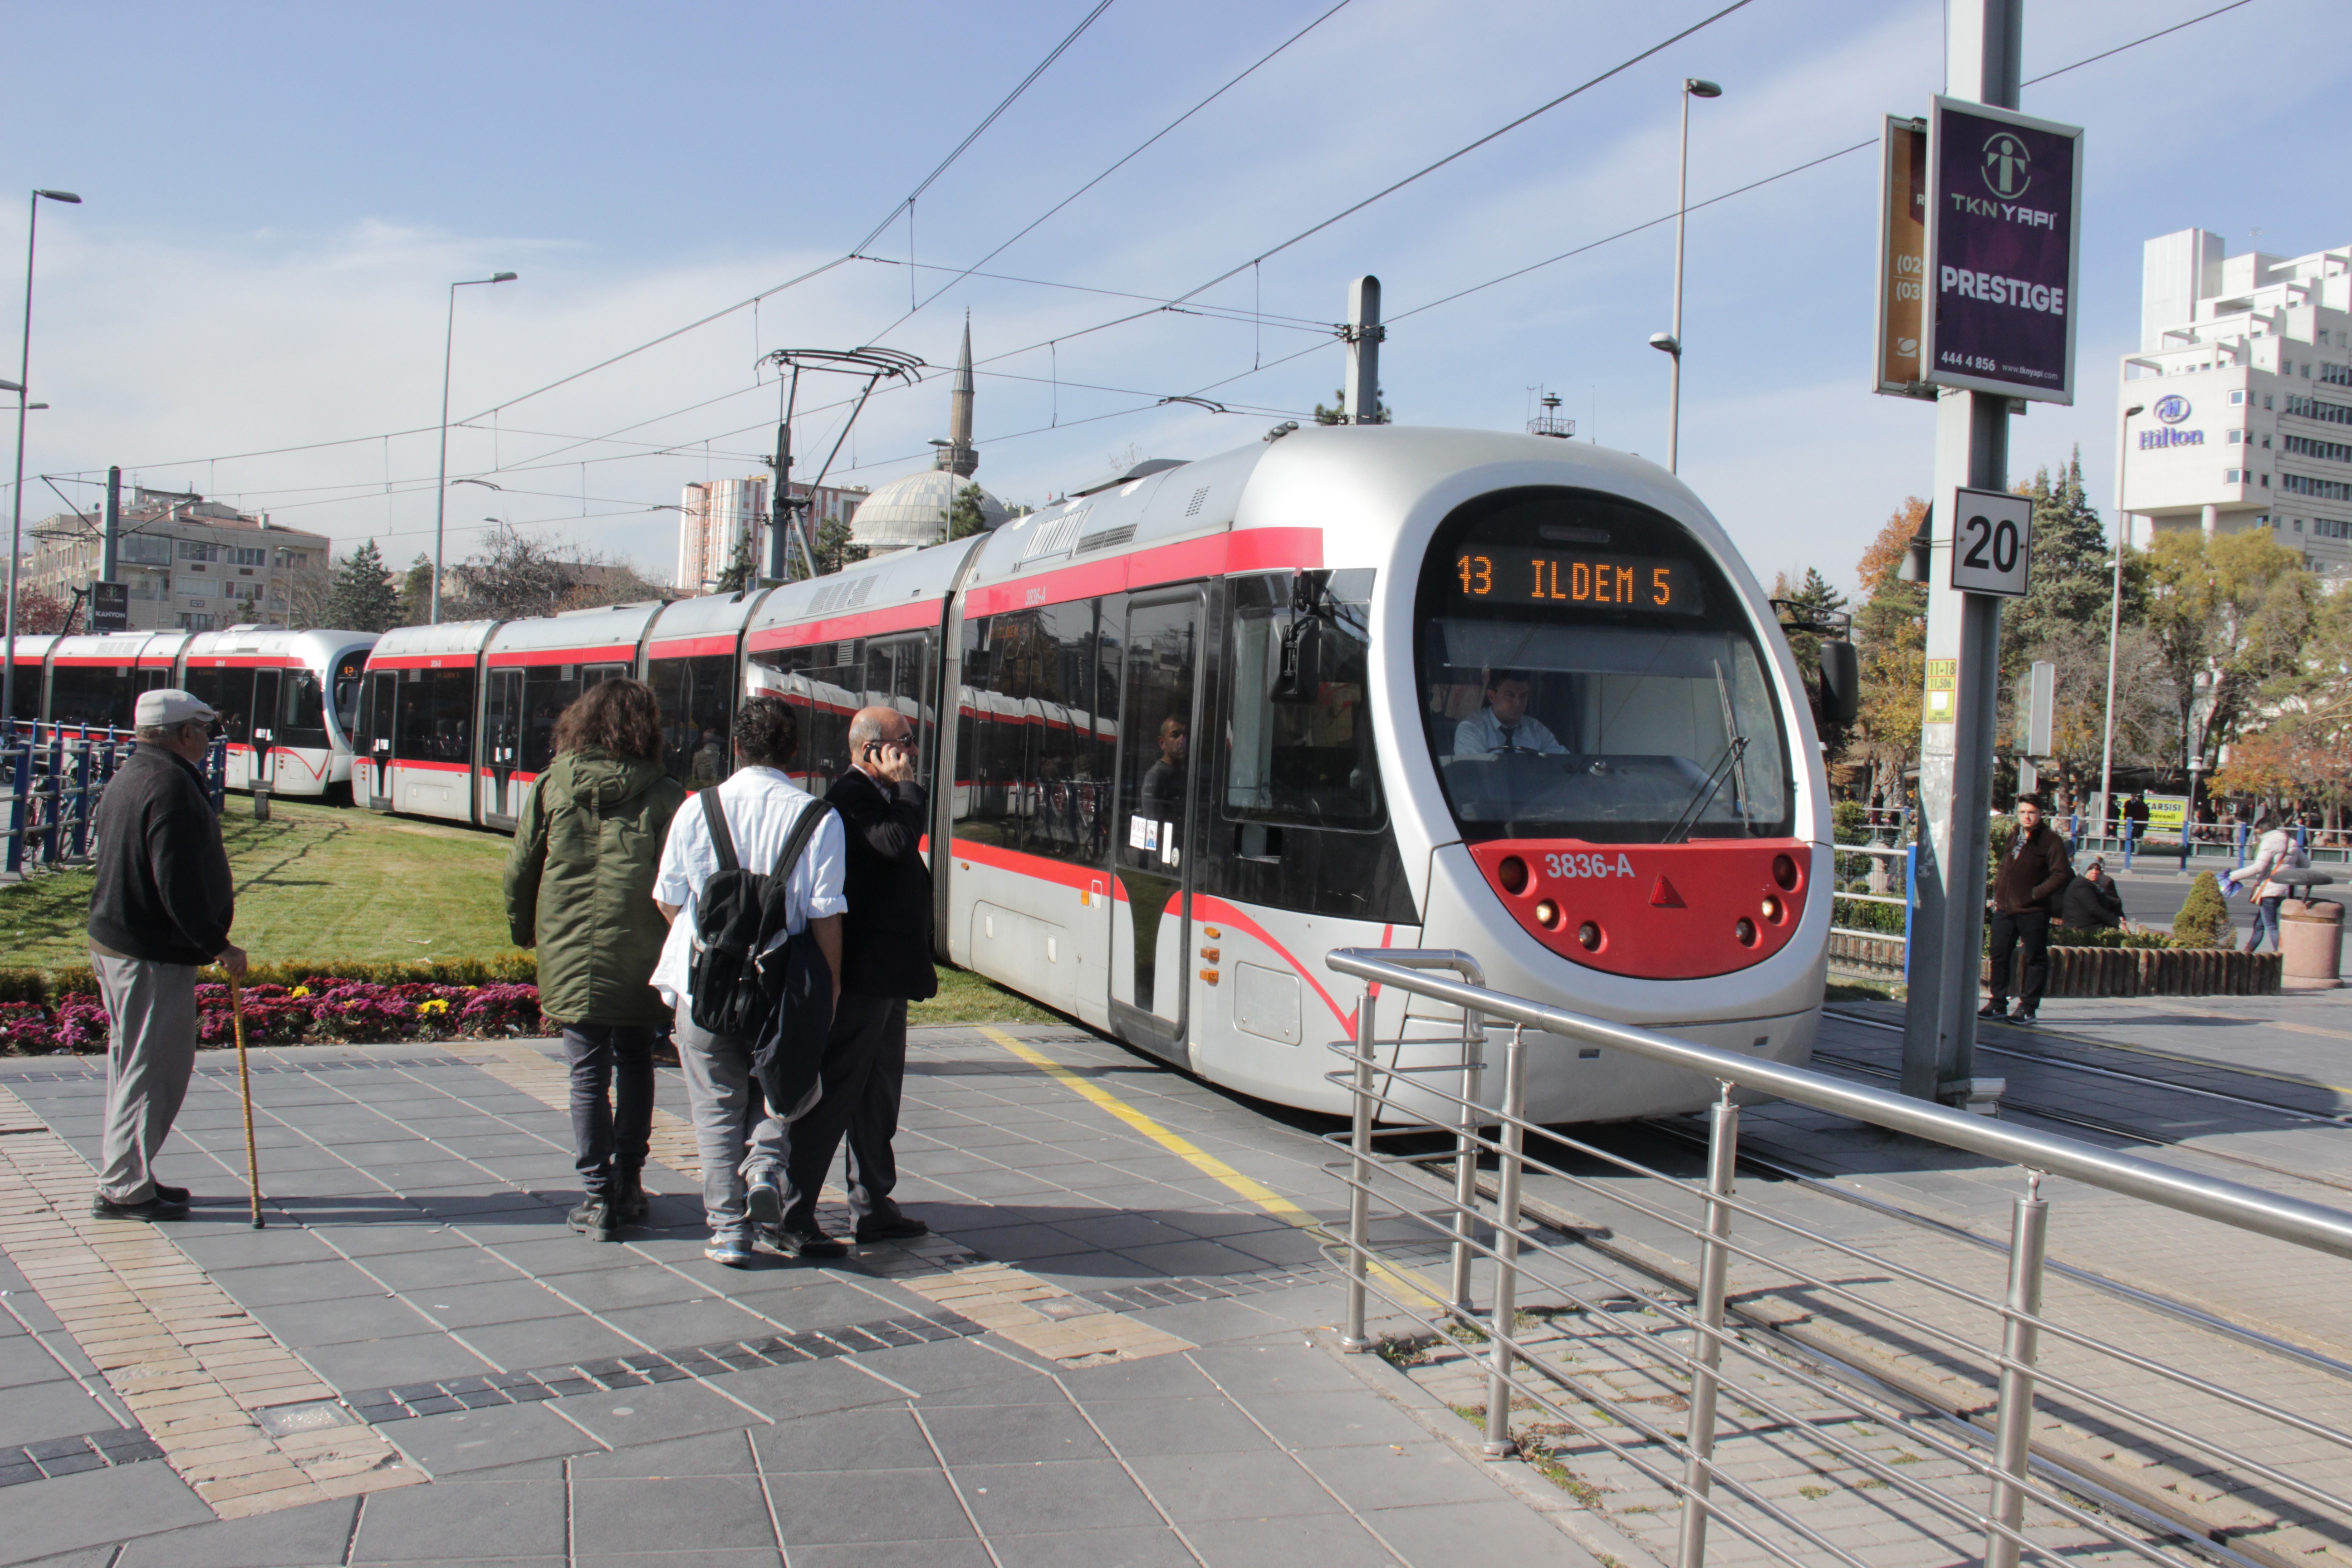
x=742 y=1143
x=2034 y=868
x=886 y=962
x=2277 y=851
x=2091 y=901
x=579 y=887
x=162 y=905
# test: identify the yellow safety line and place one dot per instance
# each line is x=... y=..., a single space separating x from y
x=1208 y=1164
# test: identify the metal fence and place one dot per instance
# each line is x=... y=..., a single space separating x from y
x=51 y=776
x=2001 y=1473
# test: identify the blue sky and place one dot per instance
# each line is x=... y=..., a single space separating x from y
x=278 y=196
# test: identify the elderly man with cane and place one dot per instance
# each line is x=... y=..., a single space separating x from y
x=162 y=906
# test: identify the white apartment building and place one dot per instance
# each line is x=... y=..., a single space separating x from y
x=717 y=516
x=2243 y=378
x=186 y=563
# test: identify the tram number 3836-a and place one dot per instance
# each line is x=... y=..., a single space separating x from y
x=1587 y=865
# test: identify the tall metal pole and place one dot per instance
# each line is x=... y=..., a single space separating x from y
x=17 y=491
x=1964 y=636
x=441 y=486
x=109 y=544
x=1362 y=334
x=2114 y=625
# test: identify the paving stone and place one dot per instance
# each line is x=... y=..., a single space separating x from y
x=1149 y=1547
x=838 y=1507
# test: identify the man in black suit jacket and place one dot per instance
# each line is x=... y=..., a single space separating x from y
x=886 y=962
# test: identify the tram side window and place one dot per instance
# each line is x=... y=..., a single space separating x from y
x=696 y=698
x=1302 y=757
x=304 y=722
x=436 y=716
x=91 y=694
x=351 y=674
x=547 y=690
x=229 y=694
x=1032 y=761
x=898 y=675
x=28 y=704
x=797 y=675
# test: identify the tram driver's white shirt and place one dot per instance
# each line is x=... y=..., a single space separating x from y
x=1481 y=735
x=760 y=805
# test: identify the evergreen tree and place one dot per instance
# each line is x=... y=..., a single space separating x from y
x=743 y=567
x=362 y=597
x=417 y=591
x=2204 y=917
x=834 y=548
x=965 y=518
x=1338 y=413
x=2073 y=565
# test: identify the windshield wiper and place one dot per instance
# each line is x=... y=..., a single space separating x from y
x=1706 y=795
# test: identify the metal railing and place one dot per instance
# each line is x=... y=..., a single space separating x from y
x=51 y=776
x=1908 y=902
x=1989 y=1462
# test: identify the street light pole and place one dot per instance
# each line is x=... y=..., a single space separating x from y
x=2115 y=623
x=17 y=492
x=1673 y=344
x=441 y=486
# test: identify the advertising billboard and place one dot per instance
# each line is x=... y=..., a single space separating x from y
x=2004 y=210
x=109 y=606
x=1900 y=368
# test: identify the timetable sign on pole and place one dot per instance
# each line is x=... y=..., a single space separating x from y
x=1992 y=541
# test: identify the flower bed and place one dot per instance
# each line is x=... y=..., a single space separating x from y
x=320 y=1010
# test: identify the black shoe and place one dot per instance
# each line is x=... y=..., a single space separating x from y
x=158 y=1207
x=1995 y=1008
x=804 y=1243
x=765 y=1200
x=595 y=1220
x=897 y=1227
x=2022 y=1016
x=629 y=1201
x=172 y=1194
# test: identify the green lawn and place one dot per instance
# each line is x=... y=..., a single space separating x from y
x=314 y=883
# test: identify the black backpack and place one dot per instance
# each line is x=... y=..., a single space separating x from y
x=733 y=989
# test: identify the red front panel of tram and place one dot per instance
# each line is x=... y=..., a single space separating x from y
x=1653 y=912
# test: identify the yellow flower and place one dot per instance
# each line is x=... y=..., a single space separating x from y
x=437 y=1005
x=299 y=990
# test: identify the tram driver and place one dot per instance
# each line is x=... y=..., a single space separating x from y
x=1504 y=724
x=1164 y=781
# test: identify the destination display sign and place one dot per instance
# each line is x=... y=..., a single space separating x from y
x=1519 y=576
x=1901 y=370
x=2004 y=208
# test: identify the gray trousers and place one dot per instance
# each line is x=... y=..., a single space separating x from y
x=735 y=1133
x=151 y=1053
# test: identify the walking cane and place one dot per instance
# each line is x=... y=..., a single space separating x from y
x=244 y=1090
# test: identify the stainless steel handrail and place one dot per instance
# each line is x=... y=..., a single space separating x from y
x=2231 y=1203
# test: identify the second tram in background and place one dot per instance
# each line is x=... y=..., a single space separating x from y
x=287 y=700
x=1191 y=728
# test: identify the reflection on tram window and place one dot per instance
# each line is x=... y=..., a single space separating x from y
x=1297 y=756
x=350 y=674
x=1604 y=721
x=1033 y=756
x=90 y=694
x=435 y=719
x=547 y=690
x=696 y=698
x=828 y=682
x=227 y=691
x=304 y=720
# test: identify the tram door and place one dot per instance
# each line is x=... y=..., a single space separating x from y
x=260 y=773
x=504 y=752
x=1150 y=920
x=382 y=703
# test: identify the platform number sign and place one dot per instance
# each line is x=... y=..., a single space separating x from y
x=1993 y=544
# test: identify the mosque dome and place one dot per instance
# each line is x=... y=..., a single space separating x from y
x=912 y=512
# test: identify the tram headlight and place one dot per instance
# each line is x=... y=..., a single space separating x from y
x=1784 y=871
x=1546 y=914
x=1772 y=910
x=1513 y=874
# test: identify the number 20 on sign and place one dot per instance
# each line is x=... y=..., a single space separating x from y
x=1992 y=543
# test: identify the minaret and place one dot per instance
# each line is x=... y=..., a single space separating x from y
x=957 y=455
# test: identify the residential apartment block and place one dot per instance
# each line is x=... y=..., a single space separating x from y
x=186 y=562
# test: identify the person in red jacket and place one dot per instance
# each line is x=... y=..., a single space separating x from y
x=2035 y=869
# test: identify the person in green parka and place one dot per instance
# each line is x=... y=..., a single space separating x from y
x=578 y=888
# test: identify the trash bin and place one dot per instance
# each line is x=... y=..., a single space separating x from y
x=2311 y=943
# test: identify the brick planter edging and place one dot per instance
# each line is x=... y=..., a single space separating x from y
x=2100 y=970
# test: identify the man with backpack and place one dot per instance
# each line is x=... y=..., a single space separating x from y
x=762 y=815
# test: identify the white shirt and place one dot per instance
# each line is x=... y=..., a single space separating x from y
x=760 y=805
x=1481 y=735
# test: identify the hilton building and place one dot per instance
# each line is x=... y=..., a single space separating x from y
x=2244 y=381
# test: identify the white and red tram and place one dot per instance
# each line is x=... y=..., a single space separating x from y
x=288 y=699
x=1361 y=685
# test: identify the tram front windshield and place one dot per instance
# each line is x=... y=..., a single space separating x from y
x=1587 y=673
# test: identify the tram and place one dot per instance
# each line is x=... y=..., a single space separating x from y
x=287 y=700
x=1187 y=730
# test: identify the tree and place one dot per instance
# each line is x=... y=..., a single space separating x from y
x=39 y=614
x=743 y=567
x=1890 y=632
x=1338 y=413
x=834 y=547
x=362 y=597
x=965 y=517
x=2073 y=564
x=2226 y=616
x=2204 y=917
x=2303 y=752
x=417 y=591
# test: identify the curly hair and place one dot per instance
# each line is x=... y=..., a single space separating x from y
x=616 y=715
x=767 y=733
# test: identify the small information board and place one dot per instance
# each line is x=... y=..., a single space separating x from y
x=1901 y=370
x=2004 y=206
x=109 y=606
x=1992 y=543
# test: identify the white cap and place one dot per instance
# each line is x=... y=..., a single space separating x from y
x=170 y=706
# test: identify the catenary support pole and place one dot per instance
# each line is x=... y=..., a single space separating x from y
x=109 y=545
x=1363 y=334
x=2114 y=626
x=1963 y=640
